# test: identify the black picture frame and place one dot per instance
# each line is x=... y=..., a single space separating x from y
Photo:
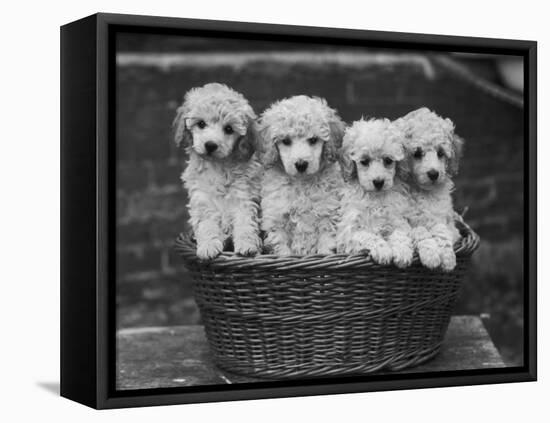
x=87 y=210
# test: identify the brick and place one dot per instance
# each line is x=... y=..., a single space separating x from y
x=131 y=176
x=121 y=207
x=498 y=226
x=137 y=260
x=477 y=192
x=181 y=312
x=145 y=133
x=496 y=272
x=163 y=302
x=175 y=261
x=167 y=172
x=166 y=231
x=328 y=83
x=516 y=225
x=401 y=84
x=137 y=232
x=491 y=147
x=136 y=290
x=493 y=229
x=156 y=300
x=170 y=204
x=158 y=232
x=475 y=166
x=510 y=185
x=503 y=196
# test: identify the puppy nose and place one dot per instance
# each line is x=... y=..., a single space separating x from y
x=301 y=165
x=210 y=146
x=378 y=183
x=433 y=175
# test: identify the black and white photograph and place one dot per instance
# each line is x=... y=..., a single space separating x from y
x=244 y=212
x=293 y=211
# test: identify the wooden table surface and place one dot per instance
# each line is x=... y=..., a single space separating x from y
x=161 y=357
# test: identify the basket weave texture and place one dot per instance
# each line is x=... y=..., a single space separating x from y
x=302 y=316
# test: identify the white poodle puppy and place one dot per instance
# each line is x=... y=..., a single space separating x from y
x=433 y=151
x=217 y=126
x=375 y=202
x=302 y=181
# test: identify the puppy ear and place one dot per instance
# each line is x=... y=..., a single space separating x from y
x=457 y=149
x=336 y=128
x=456 y=146
x=265 y=146
x=182 y=135
x=247 y=143
x=399 y=153
x=418 y=114
x=403 y=124
x=404 y=168
x=448 y=126
x=347 y=165
x=396 y=135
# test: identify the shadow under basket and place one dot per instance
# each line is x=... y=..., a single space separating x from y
x=306 y=316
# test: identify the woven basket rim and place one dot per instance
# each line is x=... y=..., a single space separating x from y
x=186 y=247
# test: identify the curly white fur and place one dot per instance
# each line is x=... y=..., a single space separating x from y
x=302 y=181
x=217 y=126
x=375 y=202
x=433 y=151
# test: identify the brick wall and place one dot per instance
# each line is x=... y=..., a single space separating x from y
x=151 y=205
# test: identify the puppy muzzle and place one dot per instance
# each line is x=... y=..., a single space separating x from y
x=378 y=184
x=433 y=175
x=301 y=166
x=210 y=147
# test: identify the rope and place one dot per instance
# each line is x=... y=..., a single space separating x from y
x=488 y=87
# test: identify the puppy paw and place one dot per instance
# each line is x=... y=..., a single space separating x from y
x=248 y=247
x=382 y=254
x=209 y=250
x=402 y=256
x=282 y=250
x=448 y=260
x=429 y=258
x=326 y=250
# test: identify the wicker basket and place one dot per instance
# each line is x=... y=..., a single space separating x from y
x=284 y=317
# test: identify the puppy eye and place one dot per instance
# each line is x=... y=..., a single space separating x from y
x=365 y=161
x=286 y=141
x=388 y=161
x=313 y=140
x=201 y=124
x=440 y=153
x=228 y=129
x=418 y=153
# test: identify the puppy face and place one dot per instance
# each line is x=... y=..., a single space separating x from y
x=301 y=134
x=213 y=135
x=428 y=162
x=376 y=172
x=216 y=122
x=432 y=149
x=300 y=154
x=370 y=154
